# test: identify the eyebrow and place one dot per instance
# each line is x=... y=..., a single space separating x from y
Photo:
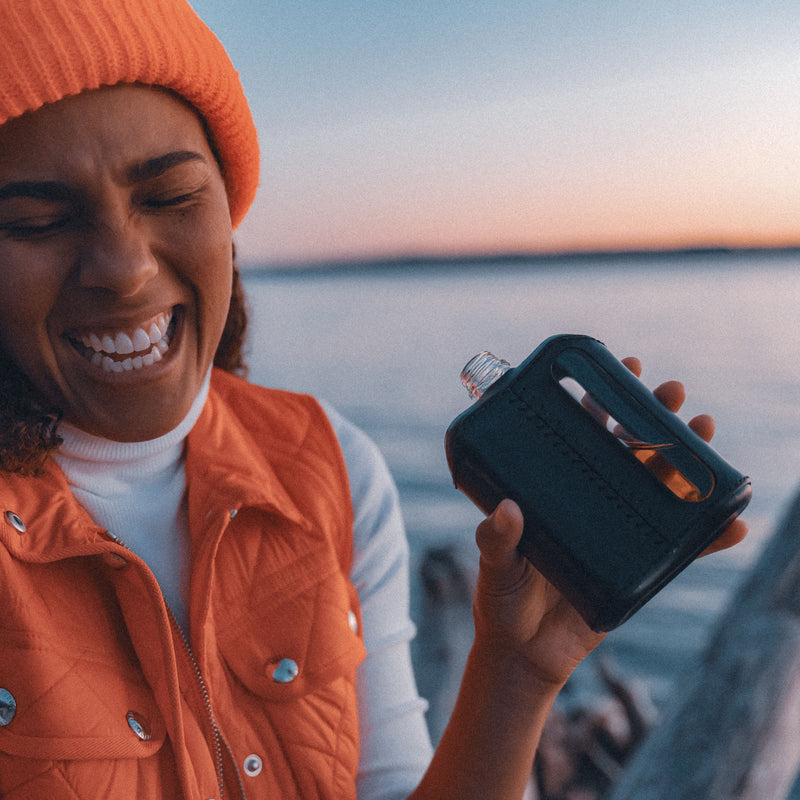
x=60 y=192
x=154 y=167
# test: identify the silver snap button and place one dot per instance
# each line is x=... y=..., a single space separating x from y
x=137 y=727
x=234 y=512
x=253 y=766
x=8 y=707
x=15 y=522
x=286 y=671
x=352 y=620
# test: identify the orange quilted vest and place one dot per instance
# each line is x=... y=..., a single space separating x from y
x=101 y=696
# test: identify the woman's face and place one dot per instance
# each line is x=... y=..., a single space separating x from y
x=115 y=257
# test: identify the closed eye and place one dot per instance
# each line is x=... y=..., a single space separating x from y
x=35 y=226
x=170 y=201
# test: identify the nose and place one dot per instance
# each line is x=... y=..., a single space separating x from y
x=118 y=256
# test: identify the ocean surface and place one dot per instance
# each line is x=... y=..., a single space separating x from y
x=386 y=346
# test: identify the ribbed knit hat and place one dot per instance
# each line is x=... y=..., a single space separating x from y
x=50 y=49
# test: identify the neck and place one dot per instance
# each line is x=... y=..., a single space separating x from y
x=82 y=448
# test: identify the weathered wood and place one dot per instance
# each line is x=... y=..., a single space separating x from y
x=582 y=750
x=733 y=729
x=446 y=630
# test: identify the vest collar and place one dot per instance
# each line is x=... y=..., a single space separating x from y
x=227 y=465
x=226 y=469
x=41 y=521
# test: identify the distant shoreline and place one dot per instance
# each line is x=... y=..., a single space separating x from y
x=533 y=259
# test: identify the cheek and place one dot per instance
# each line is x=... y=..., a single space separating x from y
x=217 y=300
x=212 y=267
x=31 y=350
x=199 y=240
x=28 y=294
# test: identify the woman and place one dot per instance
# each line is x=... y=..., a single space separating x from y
x=198 y=574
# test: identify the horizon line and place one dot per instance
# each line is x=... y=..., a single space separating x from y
x=419 y=260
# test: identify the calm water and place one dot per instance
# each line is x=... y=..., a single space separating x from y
x=386 y=347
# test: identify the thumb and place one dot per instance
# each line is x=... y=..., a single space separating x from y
x=498 y=536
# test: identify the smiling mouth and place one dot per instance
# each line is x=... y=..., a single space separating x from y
x=127 y=350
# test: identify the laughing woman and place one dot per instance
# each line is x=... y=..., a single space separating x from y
x=202 y=582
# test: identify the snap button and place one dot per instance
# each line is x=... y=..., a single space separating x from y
x=15 y=522
x=234 y=512
x=252 y=766
x=352 y=620
x=8 y=707
x=286 y=671
x=137 y=727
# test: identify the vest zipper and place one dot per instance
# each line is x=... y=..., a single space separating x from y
x=219 y=739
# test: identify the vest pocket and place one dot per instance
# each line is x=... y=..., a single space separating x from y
x=70 y=715
x=297 y=639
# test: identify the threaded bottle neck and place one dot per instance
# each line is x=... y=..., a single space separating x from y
x=481 y=371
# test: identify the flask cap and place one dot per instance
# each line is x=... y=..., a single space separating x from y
x=481 y=371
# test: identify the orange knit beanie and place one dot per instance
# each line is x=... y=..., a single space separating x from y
x=50 y=49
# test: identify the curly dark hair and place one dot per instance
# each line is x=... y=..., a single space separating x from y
x=29 y=427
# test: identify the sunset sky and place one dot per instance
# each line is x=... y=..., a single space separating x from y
x=477 y=126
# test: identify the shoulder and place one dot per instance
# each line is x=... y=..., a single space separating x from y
x=370 y=479
x=249 y=399
x=364 y=458
x=380 y=545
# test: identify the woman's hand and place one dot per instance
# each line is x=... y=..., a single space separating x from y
x=518 y=614
x=672 y=394
x=528 y=640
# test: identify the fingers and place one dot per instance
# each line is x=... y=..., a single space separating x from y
x=502 y=567
x=731 y=536
x=634 y=365
x=671 y=394
x=499 y=534
x=703 y=425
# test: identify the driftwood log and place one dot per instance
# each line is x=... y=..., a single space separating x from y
x=732 y=731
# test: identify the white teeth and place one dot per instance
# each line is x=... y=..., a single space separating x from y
x=141 y=341
x=129 y=364
x=123 y=344
x=146 y=347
